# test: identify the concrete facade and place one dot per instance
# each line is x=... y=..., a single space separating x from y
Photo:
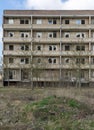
x=48 y=46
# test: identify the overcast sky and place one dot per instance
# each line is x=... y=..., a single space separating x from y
x=42 y=4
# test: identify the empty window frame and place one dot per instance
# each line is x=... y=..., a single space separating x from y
x=67 y=35
x=11 y=34
x=11 y=47
x=25 y=47
x=12 y=74
x=67 y=47
x=52 y=60
x=80 y=60
x=24 y=61
x=67 y=21
x=52 y=21
x=11 y=60
x=80 y=48
x=39 y=48
x=39 y=21
x=11 y=21
x=80 y=21
x=67 y=60
x=39 y=35
x=52 y=48
x=52 y=35
x=24 y=21
x=24 y=34
x=80 y=35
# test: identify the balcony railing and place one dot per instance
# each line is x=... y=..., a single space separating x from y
x=17 y=26
x=16 y=53
x=46 y=26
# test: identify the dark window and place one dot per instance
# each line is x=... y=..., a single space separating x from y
x=54 y=48
x=54 y=34
x=66 y=21
x=83 y=35
x=39 y=48
x=11 y=34
x=83 y=61
x=78 y=35
x=67 y=35
x=54 y=21
x=67 y=60
x=22 y=60
x=82 y=21
x=77 y=60
x=78 y=48
x=67 y=48
x=10 y=75
x=80 y=60
x=22 y=35
x=11 y=47
x=26 y=22
x=83 y=48
x=10 y=60
x=54 y=60
x=51 y=35
x=50 y=60
x=22 y=47
x=26 y=47
x=26 y=60
x=26 y=35
x=21 y=21
x=50 y=48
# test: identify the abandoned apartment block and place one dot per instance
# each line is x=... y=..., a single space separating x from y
x=48 y=46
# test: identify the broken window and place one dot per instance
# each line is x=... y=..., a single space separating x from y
x=11 y=60
x=67 y=21
x=25 y=47
x=24 y=34
x=11 y=34
x=67 y=35
x=24 y=21
x=67 y=48
x=82 y=21
x=11 y=47
x=39 y=34
x=39 y=48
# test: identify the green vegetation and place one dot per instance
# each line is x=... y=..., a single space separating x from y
x=59 y=113
x=44 y=109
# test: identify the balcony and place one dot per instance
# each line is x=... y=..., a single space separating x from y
x=46 y=40
x=16 y=53
x=76 y=27
x=16 y=39
x=16 y=66
x=74 y=66
x=46 y=26
x=17 y=26
x=75 y=53
x=46 y=53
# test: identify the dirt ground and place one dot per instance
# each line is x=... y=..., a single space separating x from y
x=12 y=101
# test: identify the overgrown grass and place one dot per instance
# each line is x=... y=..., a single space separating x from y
x=59 y=113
